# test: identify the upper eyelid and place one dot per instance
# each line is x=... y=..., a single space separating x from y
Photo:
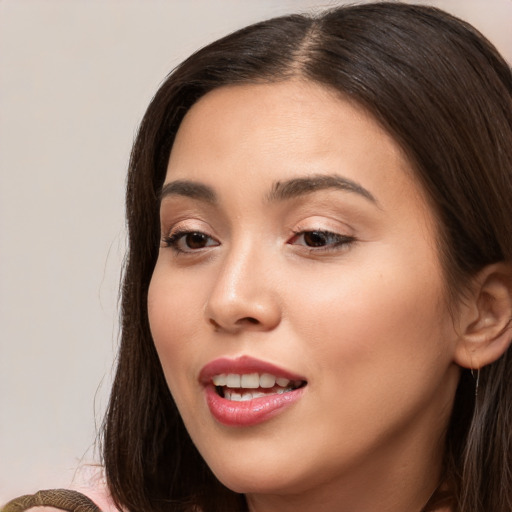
x=178 y=229
x=186 y=224
x=325 y=224
x=197 y=221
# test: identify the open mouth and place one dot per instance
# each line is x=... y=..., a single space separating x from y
x=250 y=386
x=245 y=391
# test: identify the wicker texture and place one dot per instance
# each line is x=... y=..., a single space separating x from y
x=62 y=499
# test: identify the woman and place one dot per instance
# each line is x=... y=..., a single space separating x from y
x=318 y=293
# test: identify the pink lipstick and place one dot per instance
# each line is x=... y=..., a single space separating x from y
x=246 y=391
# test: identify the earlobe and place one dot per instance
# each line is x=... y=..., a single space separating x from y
x=486 y=329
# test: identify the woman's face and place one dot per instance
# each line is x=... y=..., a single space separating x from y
x=299 y=253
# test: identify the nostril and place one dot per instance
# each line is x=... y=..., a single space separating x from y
x=239 y=323
x=249 y=320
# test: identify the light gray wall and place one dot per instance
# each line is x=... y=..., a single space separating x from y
x=75 y=78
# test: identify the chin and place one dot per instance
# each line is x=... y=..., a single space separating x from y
x=263 y=474
x=250 y=483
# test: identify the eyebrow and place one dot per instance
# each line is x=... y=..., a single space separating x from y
x=189 y=189
x=281 y=190
x=297 y=187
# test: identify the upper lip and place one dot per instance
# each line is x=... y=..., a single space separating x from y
x=243 y=365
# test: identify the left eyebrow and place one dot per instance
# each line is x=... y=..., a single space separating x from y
x=297 y=187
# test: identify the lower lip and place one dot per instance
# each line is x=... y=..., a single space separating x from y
x=250 y=412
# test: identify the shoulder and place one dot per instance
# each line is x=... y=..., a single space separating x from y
x=101 y=498
x=90 y=481
x=92 y=484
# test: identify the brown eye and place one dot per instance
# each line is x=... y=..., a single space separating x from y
x=189 y=241
x=316 y=238
x=320 y=239
x=195 y=240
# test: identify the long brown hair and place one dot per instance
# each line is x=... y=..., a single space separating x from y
x=445 y=94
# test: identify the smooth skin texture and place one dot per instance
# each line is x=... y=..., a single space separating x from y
x=359 y=310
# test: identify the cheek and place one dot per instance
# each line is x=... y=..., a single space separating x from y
x=376 y=350
x=174 y=323
x=375 y=324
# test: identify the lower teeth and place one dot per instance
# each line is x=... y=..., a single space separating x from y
x=244 y=397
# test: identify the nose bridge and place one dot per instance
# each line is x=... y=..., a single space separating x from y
x=243 y=295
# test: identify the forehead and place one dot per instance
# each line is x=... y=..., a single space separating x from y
x=310 y=119
x=260 y=133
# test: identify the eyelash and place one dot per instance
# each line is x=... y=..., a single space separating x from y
x=336 y=240
x=172 y=240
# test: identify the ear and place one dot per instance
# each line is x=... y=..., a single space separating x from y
x=486 y=321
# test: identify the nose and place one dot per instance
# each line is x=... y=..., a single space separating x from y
x=244 y=295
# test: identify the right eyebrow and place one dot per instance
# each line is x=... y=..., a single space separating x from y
x=188 y=189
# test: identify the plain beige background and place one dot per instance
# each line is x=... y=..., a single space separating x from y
x=75 y=78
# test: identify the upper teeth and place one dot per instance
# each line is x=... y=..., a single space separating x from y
x=249 y=380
